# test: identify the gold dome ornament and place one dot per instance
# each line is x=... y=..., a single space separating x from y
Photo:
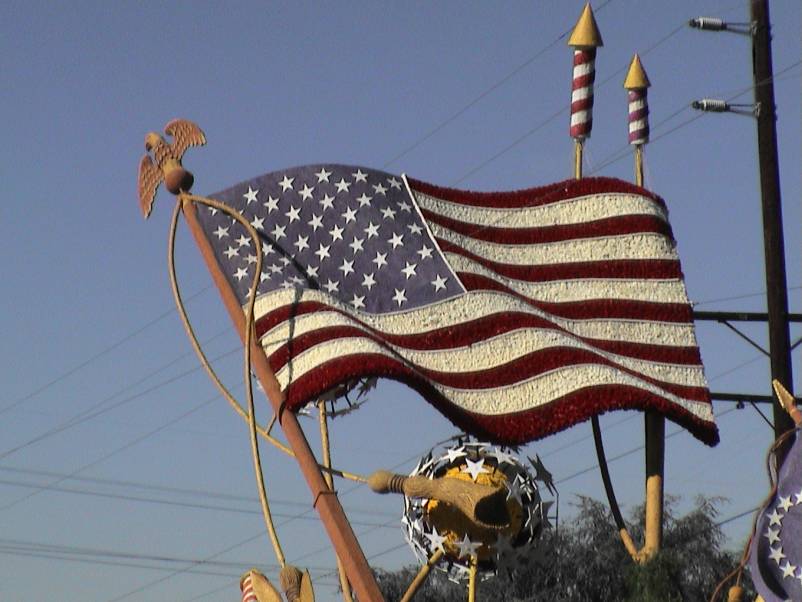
x=586 y=33
x=636 y=78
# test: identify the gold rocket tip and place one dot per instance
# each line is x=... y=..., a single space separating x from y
x=636 y=76
x=586 y=32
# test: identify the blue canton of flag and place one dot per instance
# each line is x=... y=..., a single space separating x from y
x=775 y=557
x=355 y=234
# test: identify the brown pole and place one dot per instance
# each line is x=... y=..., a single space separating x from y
x=325 y=501
x=773 y=243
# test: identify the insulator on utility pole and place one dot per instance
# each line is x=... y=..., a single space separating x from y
x=708 y=23
x=716 y=24
x=711 y=105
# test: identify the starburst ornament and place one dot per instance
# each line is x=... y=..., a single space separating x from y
x=431 y=525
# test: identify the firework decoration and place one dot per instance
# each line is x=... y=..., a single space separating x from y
x=637 y=84
x=584 y=39
x=500 y=539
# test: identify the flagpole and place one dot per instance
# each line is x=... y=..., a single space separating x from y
x=637 y=84
x=325 y=500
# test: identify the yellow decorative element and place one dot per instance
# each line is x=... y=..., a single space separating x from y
x=636 y=75
x=454 y=525
x=586 y=32
x=472 y=579
x=165 y=166
x=297 y=586
x=736 y=594
x=787 y=401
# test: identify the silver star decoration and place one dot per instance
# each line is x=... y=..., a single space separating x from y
x=543 y=475
x=467 y=547
x=455 y=453
x=436 y=540
x=474 y=468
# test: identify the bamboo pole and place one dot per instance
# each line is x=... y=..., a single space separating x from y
x=324 y=443
x=423 y=573
x=472 y=578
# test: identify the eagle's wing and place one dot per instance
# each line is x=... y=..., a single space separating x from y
x=185 y=134
x=307 y=594
x=149 y=178
x=264 y=590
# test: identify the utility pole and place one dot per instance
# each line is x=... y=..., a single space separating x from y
x=759 y=30
x=773 y=241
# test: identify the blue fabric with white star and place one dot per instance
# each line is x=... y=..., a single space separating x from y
x=355 y=233
x=775 y=559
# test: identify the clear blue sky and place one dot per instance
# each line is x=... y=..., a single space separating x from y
x=86 y=307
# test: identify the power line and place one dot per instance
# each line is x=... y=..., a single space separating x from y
x=98 y=355
x=77 y=553
x=739 y=297
x=194 y=493
x=557 y=114
x=485 y=93
x=624 y=151
x=98 y=409
x=179 y=504
x=631 y=451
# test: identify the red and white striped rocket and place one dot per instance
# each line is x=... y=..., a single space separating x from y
x=584 y=39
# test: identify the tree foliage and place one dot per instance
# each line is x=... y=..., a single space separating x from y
x=586 y=562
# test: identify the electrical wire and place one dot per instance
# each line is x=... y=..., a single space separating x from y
x=484 y=94
x=174 y=491
x=44 y=387
x=101 y=408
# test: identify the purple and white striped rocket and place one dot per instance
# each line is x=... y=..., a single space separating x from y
x=638 y=116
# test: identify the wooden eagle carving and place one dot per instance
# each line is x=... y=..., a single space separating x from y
x=166 y=162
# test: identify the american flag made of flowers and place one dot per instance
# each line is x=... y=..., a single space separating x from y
x=515 y=314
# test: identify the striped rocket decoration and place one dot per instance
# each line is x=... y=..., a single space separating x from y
x=584 y=39
x=637 y=84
